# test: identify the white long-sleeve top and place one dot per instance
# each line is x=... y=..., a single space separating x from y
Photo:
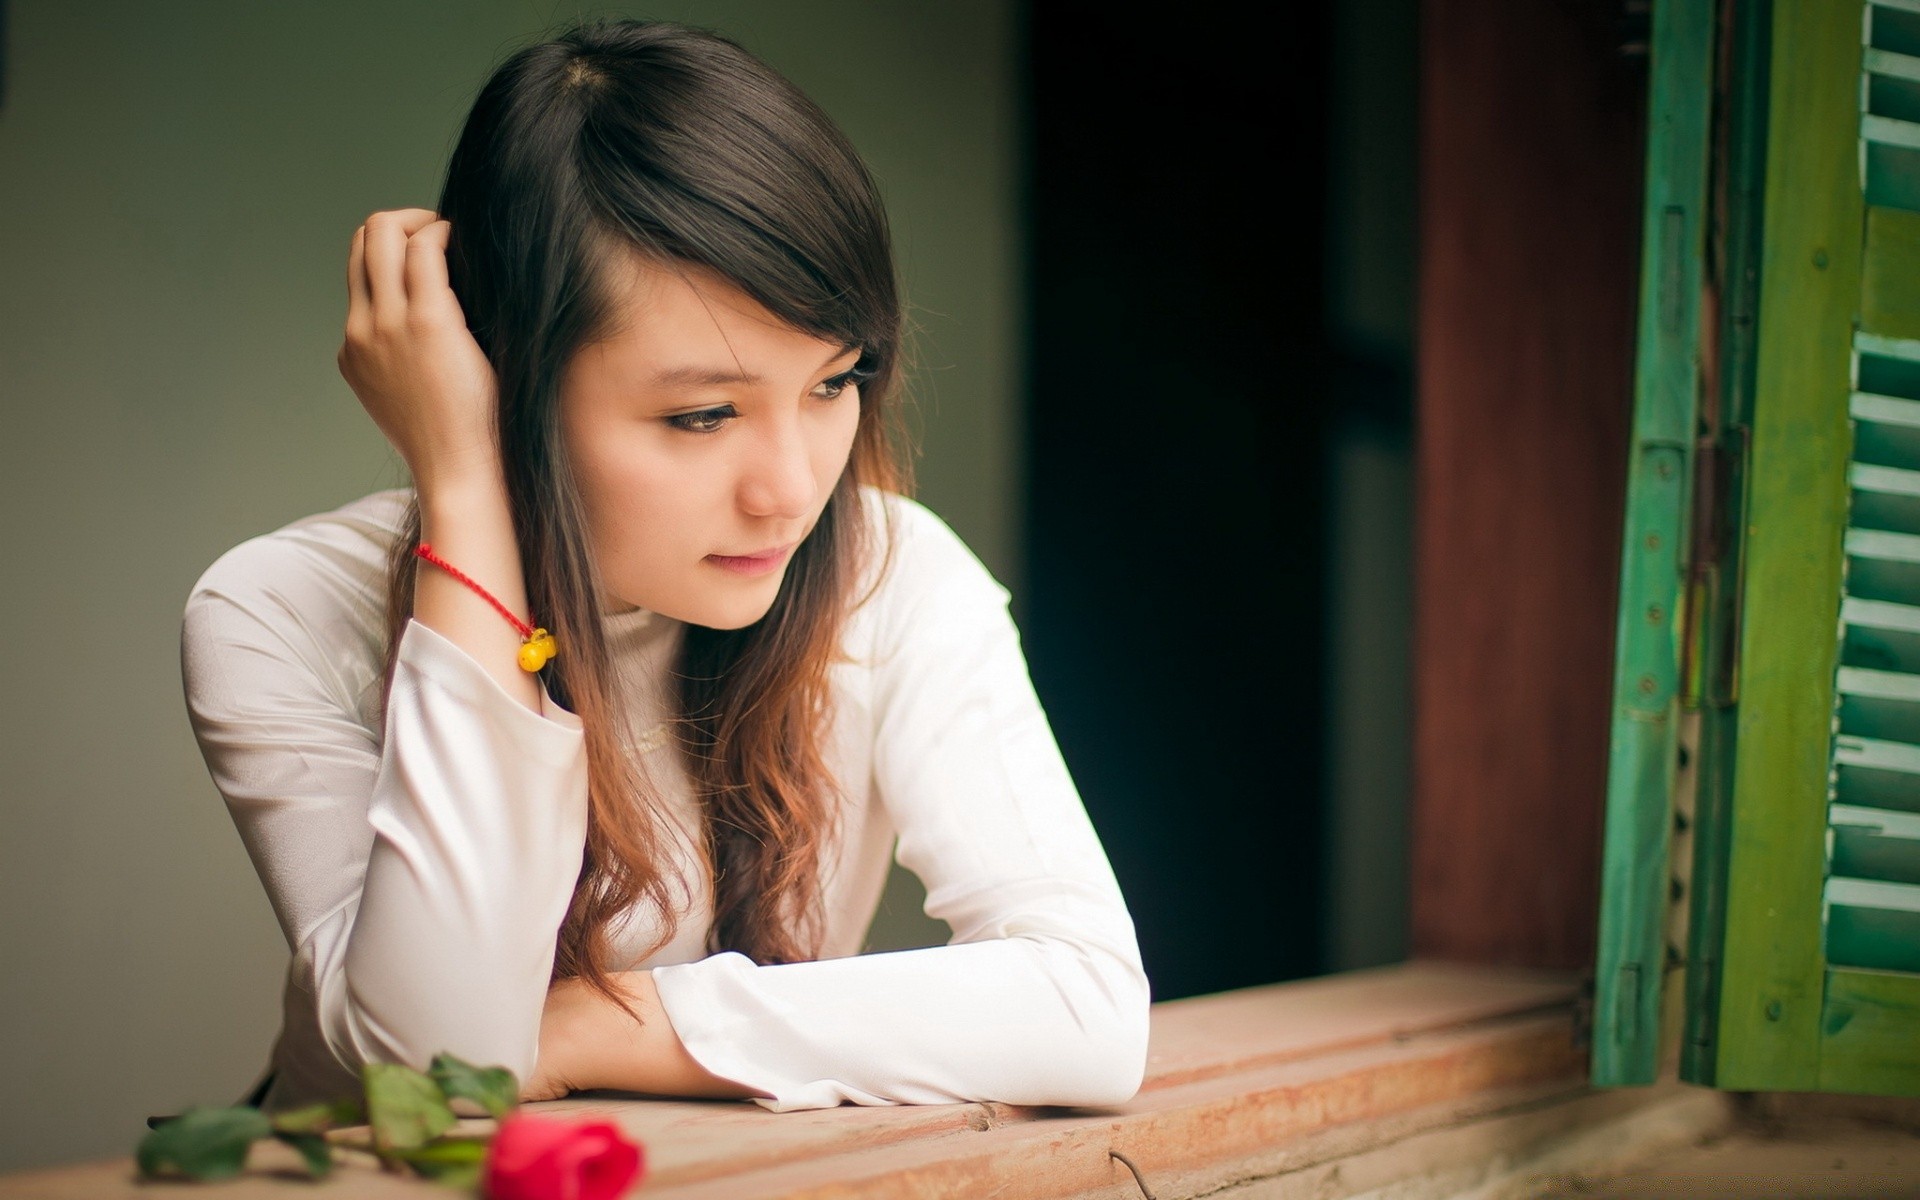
x=420 y=866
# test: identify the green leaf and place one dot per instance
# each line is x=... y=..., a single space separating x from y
x=456 y=1162
x=492 y=1088
x=202 y=1143
x=465 y=1176
x=404 y=1107
x=314 y=1151
x=318 y=1118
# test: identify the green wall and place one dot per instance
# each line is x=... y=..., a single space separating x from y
x=178 y=184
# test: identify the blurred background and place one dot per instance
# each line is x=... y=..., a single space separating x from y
x=1165 y=403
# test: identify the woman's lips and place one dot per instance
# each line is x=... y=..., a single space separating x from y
x=751 y=564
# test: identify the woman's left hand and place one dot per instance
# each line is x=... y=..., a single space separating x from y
x=545 y=1084
x=587 y=1041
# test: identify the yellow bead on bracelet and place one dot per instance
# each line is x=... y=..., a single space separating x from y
x=536 y=650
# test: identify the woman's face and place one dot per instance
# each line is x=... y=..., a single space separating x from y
x=706 y=438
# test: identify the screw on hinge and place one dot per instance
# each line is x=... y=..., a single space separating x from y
x=1676 y=888
x=1138 y=1178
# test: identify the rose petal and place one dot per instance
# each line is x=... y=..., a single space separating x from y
x=540 y=1158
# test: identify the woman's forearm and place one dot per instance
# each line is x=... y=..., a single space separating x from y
x=470 y=525
x=410 y=358
x=587 y=1042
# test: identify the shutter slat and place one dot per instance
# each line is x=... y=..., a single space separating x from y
x=1898 y=66
x=1882 y=822
x=1885 y=410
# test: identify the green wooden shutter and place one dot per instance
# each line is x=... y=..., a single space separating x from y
x=1800 y=891
x=1654 y=561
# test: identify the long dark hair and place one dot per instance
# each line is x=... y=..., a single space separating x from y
x=623 y=137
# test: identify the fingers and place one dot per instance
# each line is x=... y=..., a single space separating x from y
x=359 y=298
x=386 y=244
x=427 y=282
x=384 y=239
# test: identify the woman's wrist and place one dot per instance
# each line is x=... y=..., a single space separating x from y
x=596 y=1044
x=468 y=522
x=457 y=494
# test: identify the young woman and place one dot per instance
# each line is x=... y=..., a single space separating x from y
x=641 y=366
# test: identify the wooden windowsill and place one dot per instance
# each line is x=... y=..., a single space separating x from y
x=1256 y=1085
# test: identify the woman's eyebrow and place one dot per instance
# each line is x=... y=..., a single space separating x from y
x=672 y=378
x=696 y=376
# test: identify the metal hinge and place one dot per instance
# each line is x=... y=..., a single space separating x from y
x=1710 y=646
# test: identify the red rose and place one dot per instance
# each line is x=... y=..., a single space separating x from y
x=540 y=1158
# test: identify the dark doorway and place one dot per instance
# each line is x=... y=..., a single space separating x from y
x=1175 y=608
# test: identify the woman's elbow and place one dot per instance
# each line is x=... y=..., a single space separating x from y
x=1115 y=1060
x=485 y=1035
x=1108 y=1061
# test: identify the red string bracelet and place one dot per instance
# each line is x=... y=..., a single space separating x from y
x=536 y=645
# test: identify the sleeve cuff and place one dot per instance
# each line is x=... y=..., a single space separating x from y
x=454 y=670
x=709 y=1002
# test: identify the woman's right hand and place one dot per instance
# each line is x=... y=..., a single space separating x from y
x=409 y=356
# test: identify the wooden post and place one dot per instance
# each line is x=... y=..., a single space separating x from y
x=1531 y=135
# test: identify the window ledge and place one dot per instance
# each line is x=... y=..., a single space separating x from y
x=1466 y=1077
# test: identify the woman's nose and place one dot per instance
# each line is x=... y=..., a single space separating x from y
x=778 y=477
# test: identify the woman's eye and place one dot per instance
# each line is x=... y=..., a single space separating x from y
x=830 y=389
x=707 y=420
